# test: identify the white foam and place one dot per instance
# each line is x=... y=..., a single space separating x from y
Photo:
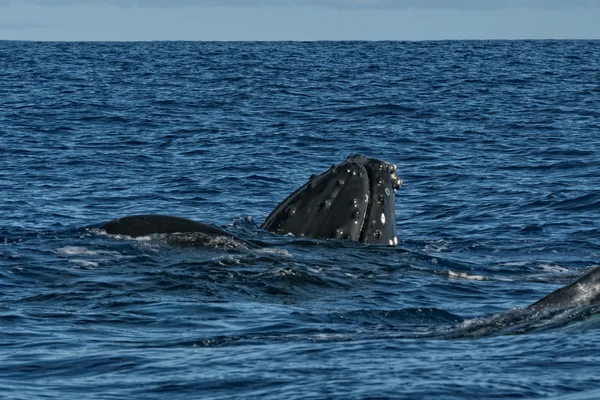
x=464 y=275
x=280 y=252
x=515 y=264
x=102 y=232
x=76 y=251
x=84 y=251
x=436 y=247
x=85 y=263
x=553 y=268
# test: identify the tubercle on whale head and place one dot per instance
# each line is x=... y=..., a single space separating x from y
x=379 y=167
x=397 y=182
x=352 y=200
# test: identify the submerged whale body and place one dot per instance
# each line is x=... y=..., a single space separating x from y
x=353 y=200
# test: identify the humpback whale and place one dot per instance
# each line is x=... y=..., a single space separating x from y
x=353 y=200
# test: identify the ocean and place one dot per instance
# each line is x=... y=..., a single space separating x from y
x=497 y=143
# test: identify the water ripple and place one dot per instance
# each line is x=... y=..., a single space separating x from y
x=496 y=142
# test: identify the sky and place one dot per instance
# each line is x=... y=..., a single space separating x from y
x=132 y=20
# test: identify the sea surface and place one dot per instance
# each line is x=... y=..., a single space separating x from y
x=498 y=144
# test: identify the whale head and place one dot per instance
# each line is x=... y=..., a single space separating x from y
x=352 y=200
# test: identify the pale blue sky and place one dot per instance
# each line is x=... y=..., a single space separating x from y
x=298 y=19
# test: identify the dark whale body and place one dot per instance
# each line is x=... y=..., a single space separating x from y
x=143 y=225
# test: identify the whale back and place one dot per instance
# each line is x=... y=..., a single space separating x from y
x=584 y=291
x=142 y=225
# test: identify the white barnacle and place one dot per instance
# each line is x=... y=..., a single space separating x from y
x=395 y=240
x=387 y=191
x=383 y=218
x=391 y=242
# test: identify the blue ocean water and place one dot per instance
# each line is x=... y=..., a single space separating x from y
x=498 y=146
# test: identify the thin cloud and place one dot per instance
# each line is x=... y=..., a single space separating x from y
x=461 y=4
x=339 y=4
x=23 y=25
